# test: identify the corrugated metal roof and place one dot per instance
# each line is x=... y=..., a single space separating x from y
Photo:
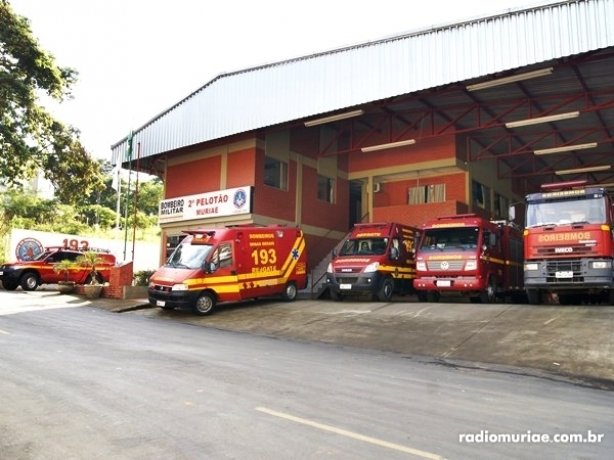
x=298 y=88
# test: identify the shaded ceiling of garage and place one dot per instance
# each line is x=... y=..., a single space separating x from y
x=415 y=85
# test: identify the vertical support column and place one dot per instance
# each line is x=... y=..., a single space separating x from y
x=298 y=202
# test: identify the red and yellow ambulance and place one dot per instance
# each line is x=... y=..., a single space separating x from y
x=231 y=264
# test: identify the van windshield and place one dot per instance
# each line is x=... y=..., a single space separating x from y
x=188 y=256
x=364 y=246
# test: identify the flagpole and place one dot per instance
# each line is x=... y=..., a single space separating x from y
x=136 y=196
x=128 y=193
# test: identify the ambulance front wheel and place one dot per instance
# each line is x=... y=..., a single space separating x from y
x=290 y=291
x=205 y=303
x=384 y=293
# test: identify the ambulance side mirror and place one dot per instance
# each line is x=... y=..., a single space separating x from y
x=394 y=253
x=209 y=267
x=511 y=212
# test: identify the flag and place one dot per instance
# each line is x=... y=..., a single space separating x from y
x=116 y=179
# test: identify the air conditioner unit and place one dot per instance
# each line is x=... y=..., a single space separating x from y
x=377 y=187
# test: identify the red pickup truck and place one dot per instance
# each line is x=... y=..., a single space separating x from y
x=30 y=274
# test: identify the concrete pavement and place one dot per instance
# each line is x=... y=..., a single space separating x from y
x=564 y=342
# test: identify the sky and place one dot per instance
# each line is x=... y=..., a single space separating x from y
x=137 y=58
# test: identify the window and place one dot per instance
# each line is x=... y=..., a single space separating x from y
x=275 y=173
x=326 y=189
x=501 y=206
x=434 y=193
x=481 y=195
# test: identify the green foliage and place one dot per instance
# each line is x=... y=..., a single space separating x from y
x=90 y=259
x=31 y=140
x=64 y=266
x=141 y=278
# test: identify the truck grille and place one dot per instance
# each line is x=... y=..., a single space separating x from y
x=554 y=266
x=445 y=265
x=576 y=250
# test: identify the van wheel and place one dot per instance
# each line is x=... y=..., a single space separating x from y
x=204 y=304
x=384 y=294
x=432 y=296
x=421 y=296
x=534 y=296
x=29 y=281
x=290 y=292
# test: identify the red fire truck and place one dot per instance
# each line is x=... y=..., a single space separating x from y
x=568 y=247
x=231 y=264
x=470 y=256
x=376 y=259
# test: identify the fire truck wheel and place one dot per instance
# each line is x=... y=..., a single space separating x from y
x=10 y=285
x=290 y=292
x=384 y=294
x=489 y=295
x=534 y=296
x=334 y=295
x=204 y=304
x=29 y=281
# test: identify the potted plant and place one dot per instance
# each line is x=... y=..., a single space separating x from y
x=93 y=283
x=64 y=266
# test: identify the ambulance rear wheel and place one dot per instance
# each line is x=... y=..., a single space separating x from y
x=204 y=304
x=534 y=296
x=290 y=292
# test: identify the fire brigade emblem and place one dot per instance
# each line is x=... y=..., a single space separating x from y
x=28 y=249
x=239 y=199
x=444 y=265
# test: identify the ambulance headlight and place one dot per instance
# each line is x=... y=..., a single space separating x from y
x=329 y=268
x=471 y=265
x=180 y=287
x=421 y=266
x=372 y=267
x=530 y=267
x=602 y=264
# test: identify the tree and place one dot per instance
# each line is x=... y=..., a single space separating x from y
x=31 y=140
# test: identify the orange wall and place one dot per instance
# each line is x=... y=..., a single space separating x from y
x=193 y=177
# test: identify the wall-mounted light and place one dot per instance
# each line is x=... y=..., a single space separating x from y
x=331 y=118
x=566 y=148
x=546 y=119
x=510 y=79
x=562 y=172
x=390 y=145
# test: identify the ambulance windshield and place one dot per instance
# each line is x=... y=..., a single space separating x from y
x=188 y=256
x=441 y=239
x=364 y=246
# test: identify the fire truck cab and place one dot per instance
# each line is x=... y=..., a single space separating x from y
x=568 y=248
x=231 y=264
x=375 y=258
x=470 y=256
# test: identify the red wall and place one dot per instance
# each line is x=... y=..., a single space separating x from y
x=270 y=201
x=423 y=151
x=241 y=168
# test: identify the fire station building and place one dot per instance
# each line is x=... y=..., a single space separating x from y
x=462 y=118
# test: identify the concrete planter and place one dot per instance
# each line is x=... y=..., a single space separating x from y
x=92 y=291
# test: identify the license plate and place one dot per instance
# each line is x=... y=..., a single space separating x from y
x=444 y=283
x=160 y=303
x=565 y=274
x=345 y=286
